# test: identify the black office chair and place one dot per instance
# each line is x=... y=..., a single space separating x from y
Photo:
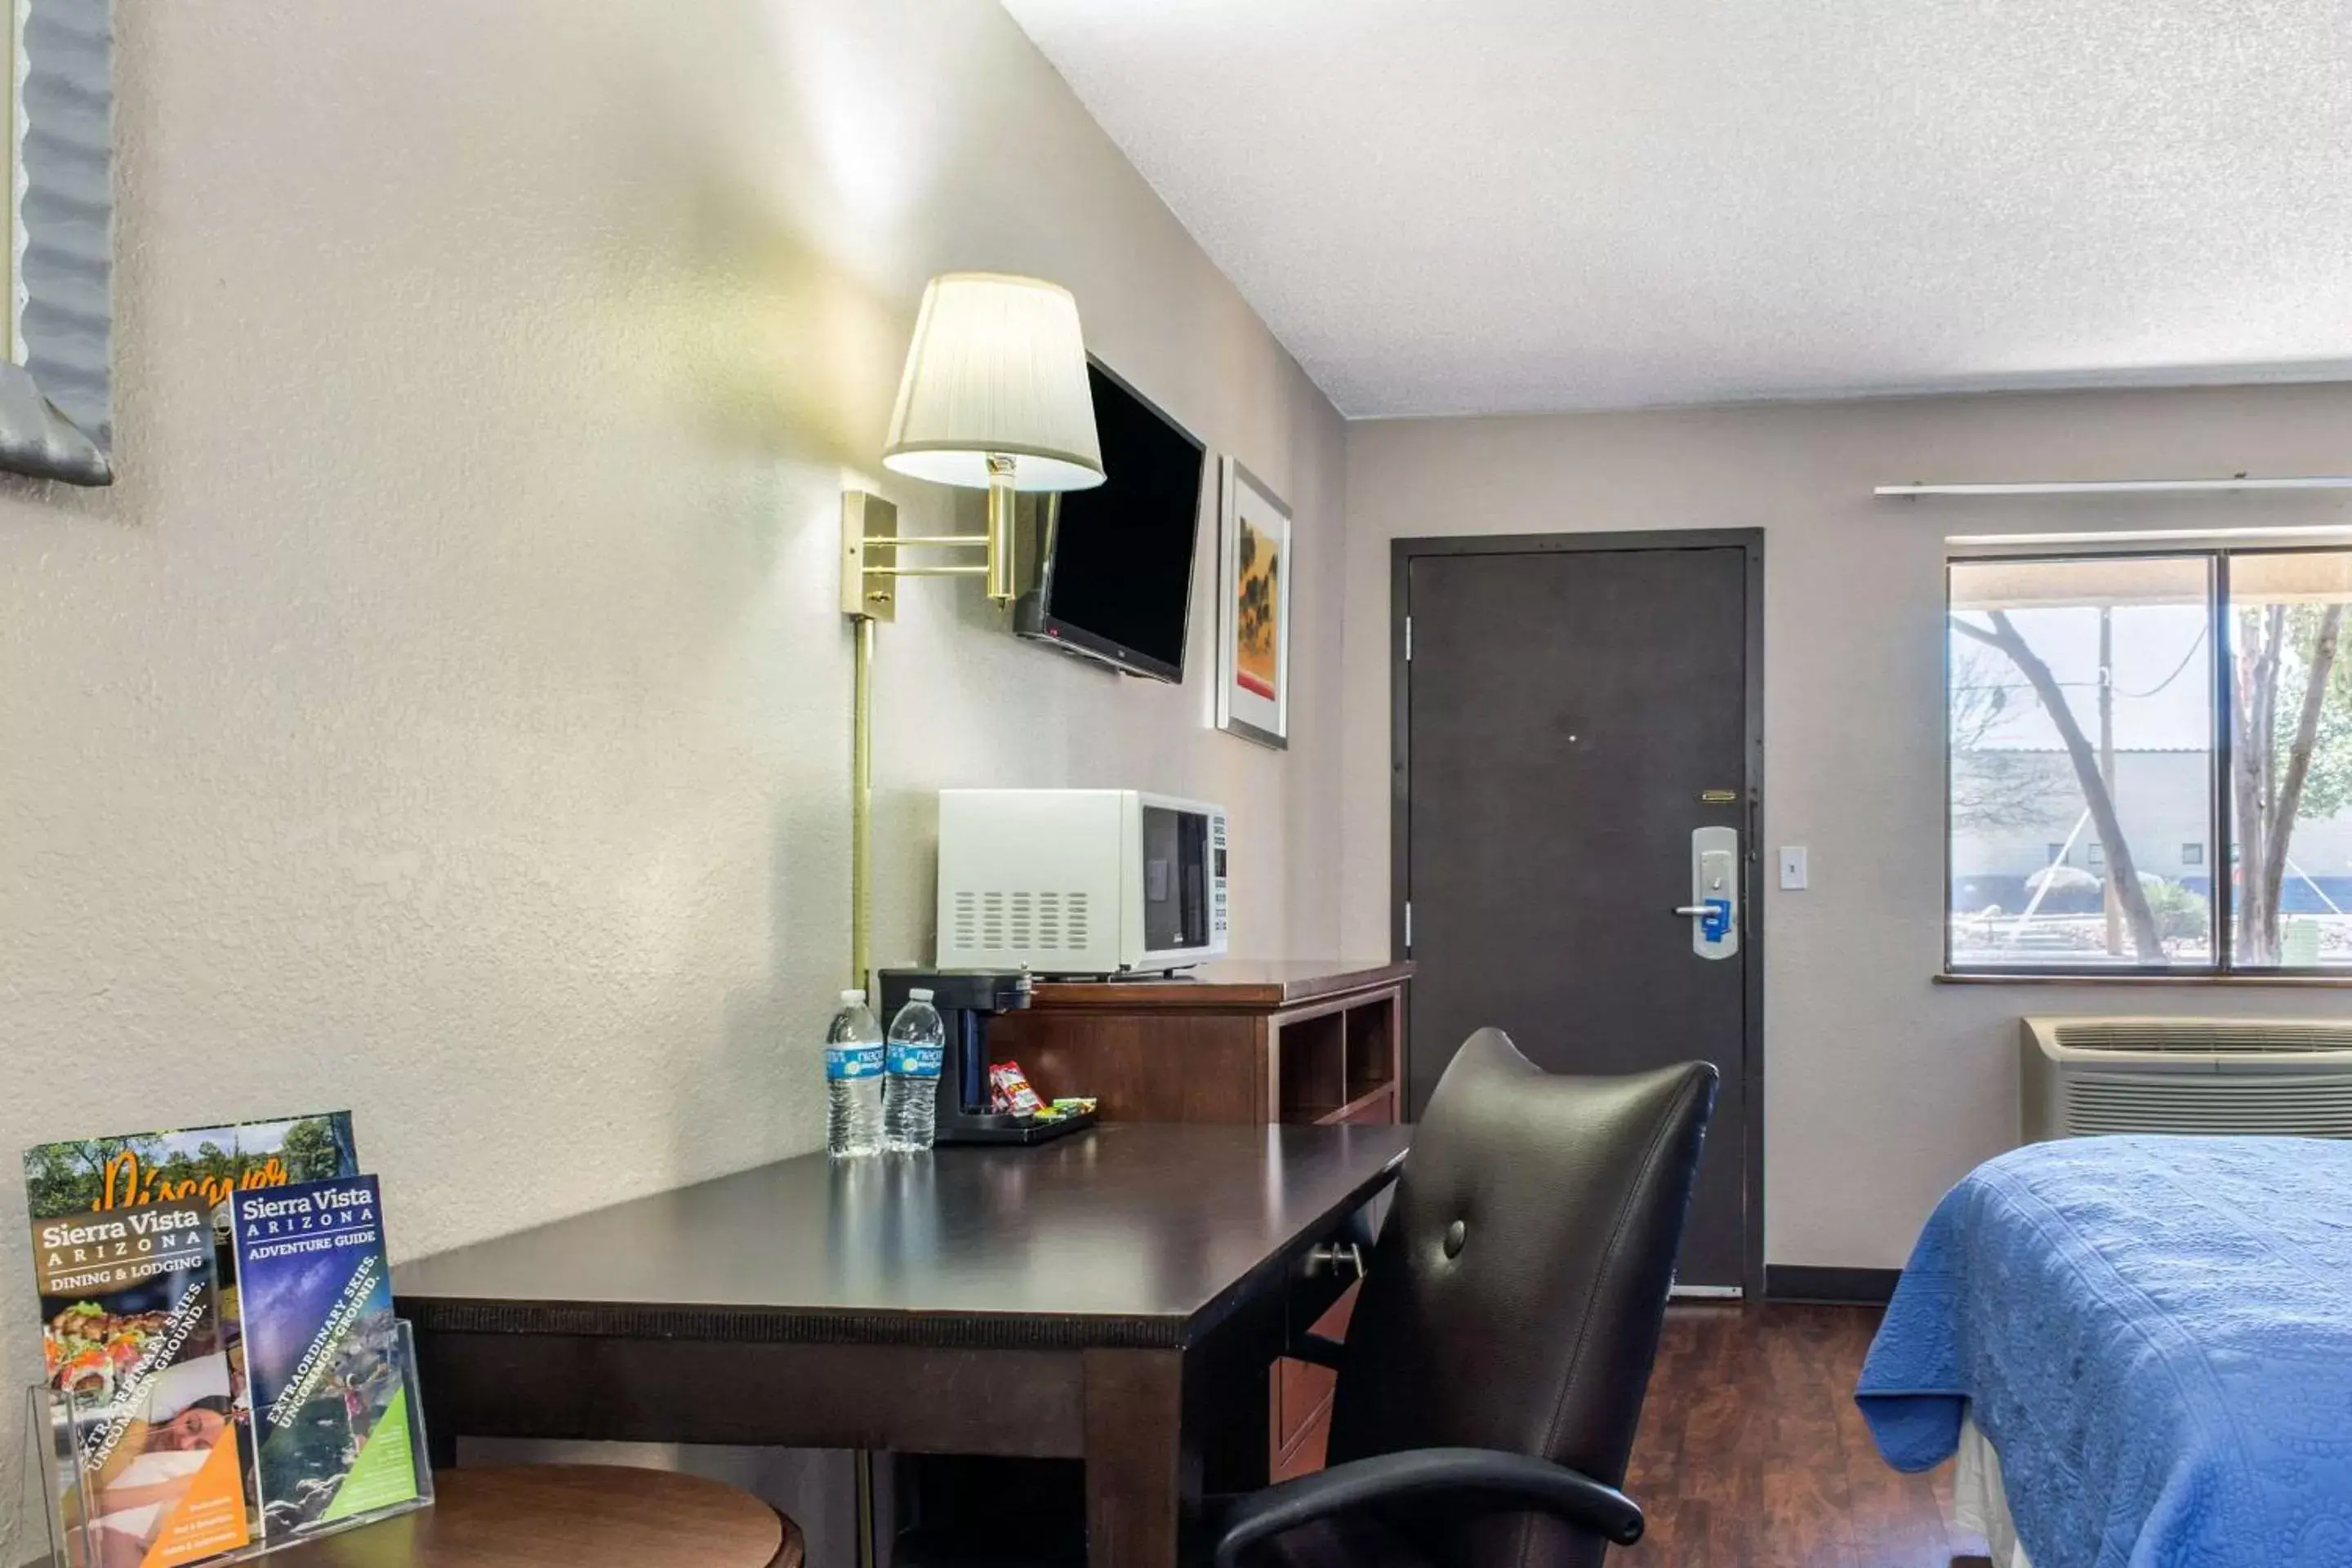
x=1494 y=1371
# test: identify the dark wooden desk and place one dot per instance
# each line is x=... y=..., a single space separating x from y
x=1117 y=1297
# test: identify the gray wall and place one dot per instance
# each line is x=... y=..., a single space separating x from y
x=1881 y=1086
x=448 y=714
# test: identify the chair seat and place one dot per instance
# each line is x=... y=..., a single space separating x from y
x=567 y=1516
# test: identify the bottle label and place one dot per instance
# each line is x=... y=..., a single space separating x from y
x=854 y=1061
x=910 y=1058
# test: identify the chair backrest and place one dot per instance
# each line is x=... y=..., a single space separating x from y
x=1517 y=1293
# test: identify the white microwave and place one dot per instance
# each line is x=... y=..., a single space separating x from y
x=1079 y=882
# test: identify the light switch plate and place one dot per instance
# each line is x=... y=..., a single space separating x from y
x=1792 y=867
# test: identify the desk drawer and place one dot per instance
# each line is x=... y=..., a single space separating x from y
x=1302 y=1397
x=1302 y=1412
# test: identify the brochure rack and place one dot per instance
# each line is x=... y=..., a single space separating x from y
x=52 y=1438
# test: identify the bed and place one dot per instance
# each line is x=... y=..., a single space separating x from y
x=1980 y=1504
x=2141 y=1350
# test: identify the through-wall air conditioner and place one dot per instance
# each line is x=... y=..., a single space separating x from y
x=2286 y=1077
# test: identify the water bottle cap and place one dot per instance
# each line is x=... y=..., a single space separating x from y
x=919 y=996
x=852 y=994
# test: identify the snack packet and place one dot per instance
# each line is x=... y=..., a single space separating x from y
x=1009 y=1091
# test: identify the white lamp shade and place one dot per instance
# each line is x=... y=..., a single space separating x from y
x=998 y=367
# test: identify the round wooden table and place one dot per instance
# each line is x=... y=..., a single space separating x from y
x=567 y=1516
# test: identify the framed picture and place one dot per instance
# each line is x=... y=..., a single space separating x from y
x=57 y=416
x=1254 y=572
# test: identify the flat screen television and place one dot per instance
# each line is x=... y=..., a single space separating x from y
x=1114 y=572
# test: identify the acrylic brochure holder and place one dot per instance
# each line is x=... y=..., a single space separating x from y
x=53 y=1439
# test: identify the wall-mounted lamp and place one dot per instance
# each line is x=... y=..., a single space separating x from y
x=995 y=397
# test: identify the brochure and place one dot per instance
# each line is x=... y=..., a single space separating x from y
x=140 y=1397
x=329 y=1388
x=201 y=1166
x=209 y=1163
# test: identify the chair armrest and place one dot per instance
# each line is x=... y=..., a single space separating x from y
x=1320 y=1349
x=1491 y=1475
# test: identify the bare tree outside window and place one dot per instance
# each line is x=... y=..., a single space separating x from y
x=2290 y=738
x=1991 y=787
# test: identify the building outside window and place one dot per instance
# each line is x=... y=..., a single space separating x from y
x=2121 y=712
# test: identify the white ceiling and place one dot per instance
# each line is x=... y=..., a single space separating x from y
x=1471 y=206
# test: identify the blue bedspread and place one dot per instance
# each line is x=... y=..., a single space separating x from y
x=2157 y=1335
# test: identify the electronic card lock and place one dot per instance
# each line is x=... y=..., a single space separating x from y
x=1713 y=907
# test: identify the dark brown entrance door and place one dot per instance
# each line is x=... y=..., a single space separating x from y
x=1571 y=709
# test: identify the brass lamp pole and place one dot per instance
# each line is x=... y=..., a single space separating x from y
x=869 y=546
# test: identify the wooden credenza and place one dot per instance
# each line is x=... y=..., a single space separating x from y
x=1236 y=1042
x=1229 y=1042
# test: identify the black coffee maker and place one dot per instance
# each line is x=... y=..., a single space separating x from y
x=967 y=999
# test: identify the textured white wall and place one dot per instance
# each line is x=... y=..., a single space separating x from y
x=446 y=714
x=1881 y=1089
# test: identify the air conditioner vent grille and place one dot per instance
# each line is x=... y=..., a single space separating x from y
x=2202 y=1034
x=2300 y=1105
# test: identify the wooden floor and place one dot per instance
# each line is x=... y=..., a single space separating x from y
x=1752 y=1454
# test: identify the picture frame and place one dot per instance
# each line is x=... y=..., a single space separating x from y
x=1254 y=569
x=57 y=416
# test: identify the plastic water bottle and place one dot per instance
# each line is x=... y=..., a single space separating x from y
x=910 y=1093
x=853 y=1069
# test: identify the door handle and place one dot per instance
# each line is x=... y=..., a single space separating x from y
x=1715 y=892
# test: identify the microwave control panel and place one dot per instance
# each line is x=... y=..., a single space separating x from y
x=1217 y=879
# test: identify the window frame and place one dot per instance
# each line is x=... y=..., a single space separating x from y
x=2222 y=861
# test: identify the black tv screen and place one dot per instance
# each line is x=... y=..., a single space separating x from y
x=1116 y=577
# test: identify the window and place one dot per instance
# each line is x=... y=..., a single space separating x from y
x=2101 y=709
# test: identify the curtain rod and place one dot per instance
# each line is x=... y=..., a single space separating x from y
x=2121 y=487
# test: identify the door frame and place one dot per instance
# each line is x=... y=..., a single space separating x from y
x=1751 y=542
